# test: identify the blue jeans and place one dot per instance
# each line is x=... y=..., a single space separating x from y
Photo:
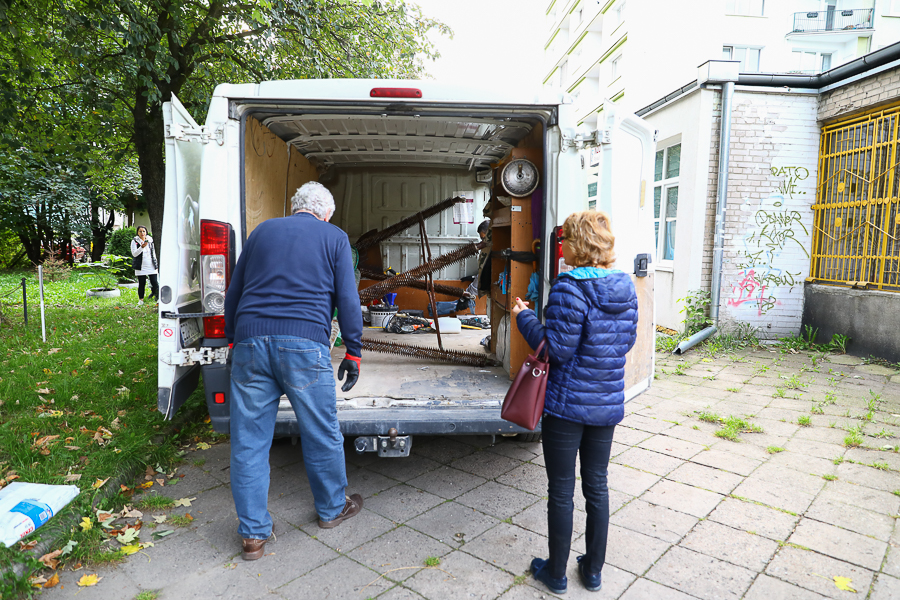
x=262 y=369
x=561 y=441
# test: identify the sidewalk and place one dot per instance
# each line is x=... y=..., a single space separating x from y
x=776 y=515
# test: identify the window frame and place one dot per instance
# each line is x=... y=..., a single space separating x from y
x=734 y=12
x=664 y=185
x=743 y=67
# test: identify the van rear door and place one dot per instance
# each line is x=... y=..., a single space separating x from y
x=179 y=272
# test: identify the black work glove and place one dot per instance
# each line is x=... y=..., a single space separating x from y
x=350 y=366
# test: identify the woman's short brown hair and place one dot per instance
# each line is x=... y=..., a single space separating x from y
x=590 y=238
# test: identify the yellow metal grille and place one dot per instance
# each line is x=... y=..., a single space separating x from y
x=856 y=237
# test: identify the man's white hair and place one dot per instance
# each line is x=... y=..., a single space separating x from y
x=315 y=198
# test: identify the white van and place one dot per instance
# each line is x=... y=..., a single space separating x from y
x=386 y=150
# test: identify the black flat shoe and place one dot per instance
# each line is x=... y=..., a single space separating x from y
x=591 y=582
x=555 y=585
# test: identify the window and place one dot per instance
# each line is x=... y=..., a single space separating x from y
x=620 y=12
x=576 y=18
x=665 y=199
x=808 y=61
x=747 y=56
x=563 y=74
x=892 y=8
x=749 y=8
x=615 y=67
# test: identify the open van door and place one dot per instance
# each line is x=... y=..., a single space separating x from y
x=623 y=147
x=179 y=272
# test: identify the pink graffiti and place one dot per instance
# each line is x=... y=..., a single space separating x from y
x=751 y=289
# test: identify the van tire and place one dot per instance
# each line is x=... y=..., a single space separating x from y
x=529 y=437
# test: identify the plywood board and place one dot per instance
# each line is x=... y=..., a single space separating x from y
x=300 y=171
x=639 y=361
x=266 y=170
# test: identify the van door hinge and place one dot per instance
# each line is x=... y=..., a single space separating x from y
x=196 y=356
x=587 y=140
x=200 y=134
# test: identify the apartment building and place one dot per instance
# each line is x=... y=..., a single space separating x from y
x=634 y=52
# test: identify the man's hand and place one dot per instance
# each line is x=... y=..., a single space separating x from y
x=350 y=366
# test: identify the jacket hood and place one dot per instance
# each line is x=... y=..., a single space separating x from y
x=610 y=290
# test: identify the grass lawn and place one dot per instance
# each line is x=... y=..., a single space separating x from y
x=80 y=409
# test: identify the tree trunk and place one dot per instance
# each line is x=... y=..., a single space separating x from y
x=149 y=141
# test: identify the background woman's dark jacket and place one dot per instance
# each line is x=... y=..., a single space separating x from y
x=591 y=324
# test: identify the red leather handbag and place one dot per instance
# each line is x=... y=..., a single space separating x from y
x=524 y=402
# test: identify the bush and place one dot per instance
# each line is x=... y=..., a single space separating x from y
x=119 y=244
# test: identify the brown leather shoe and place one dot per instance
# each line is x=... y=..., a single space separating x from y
x=253 y=549
x=351 y=509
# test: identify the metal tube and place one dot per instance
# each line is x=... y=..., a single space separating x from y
x=25 y=302
x=721 y=202
x=41 y=286
x=695 y=339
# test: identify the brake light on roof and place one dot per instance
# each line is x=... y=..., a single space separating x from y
x=395 y=93
x=216 y=240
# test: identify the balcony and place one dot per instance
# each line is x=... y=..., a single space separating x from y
x=834 y=20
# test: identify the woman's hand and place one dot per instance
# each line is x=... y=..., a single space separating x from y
x=144 y=245
x=519 y=307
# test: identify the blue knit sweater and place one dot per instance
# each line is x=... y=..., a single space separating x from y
x=591 y=324
x=291 y=275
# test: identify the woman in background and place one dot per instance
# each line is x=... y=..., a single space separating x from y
x=591 y=324
x=145 y=264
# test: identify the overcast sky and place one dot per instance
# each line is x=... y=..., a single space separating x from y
x=495 y=41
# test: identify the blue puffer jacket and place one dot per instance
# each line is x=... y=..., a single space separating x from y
x=591 y=324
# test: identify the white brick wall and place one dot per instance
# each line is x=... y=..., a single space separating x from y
x=768 y=225
x=869 y=92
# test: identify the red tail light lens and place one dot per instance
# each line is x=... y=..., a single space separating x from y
x=559 y=263
x=395 y=93
x=214 y=327
x=219 y=398
x=213 y=237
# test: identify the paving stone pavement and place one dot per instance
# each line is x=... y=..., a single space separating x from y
x=776 y=515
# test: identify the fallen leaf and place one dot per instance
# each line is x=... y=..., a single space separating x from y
x=843 y=583
x=72 y=447
x=103 y=516
x=129 y=550
x=53 y=581
x=146 y=485
x=72 y=477
x=184 y=501
x=161 y=534
x=43 y=391
x=132 y=513
x=156 y=519
x=88 y=361
x=37 y=581
x=70 y=545
x=86 y=524
x=50 y=559
x=115 y=423
x=88 y=580
x=41 y=442
x=23 y=546
x=203 y=446
x=53 y=350
x=99 y=483
x=161 y=481
x=128 y=536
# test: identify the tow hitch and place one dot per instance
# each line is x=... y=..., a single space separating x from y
x=389 y=446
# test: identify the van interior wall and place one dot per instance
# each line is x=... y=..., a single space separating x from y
x=272 y=174
x=413 y=299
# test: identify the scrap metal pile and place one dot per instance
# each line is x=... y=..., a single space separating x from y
x=421 y=277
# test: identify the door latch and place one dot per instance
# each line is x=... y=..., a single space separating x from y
x=641 y=264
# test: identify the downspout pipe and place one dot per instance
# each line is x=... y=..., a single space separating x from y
x=715 y=295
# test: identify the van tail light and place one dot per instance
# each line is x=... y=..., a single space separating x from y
x=216 y=264
x=559 y=263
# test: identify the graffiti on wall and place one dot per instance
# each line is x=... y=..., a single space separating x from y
x=775 y=230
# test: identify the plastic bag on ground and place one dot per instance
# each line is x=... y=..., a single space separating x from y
x=26 y=506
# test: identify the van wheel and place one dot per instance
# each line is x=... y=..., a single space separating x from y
x=529 y=437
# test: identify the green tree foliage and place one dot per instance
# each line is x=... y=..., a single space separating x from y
x=110 y=64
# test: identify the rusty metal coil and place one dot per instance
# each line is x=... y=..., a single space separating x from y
x=459 y=357
x=439 y=288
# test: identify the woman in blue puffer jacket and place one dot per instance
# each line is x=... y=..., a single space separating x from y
x=591 y=324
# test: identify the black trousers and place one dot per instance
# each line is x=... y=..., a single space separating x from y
x=562 y=441
x=154 y=286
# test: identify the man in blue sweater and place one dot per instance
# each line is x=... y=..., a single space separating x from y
x=292 y=274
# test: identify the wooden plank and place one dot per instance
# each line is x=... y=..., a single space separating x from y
x=300 y=171
x=501 y=217
x=639 y=361
x=520 y=273
x=266 y=163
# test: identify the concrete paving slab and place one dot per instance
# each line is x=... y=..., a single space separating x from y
x=885 y=588
x=683 y=498
x=404 y=469
x=629 y=480
x=114 y=585
x=400 y=553
x=632 y=551
x=534 y=518
x=772 y=494
x=646 y=424
x=754 y=518
x=851 y=517
x=839 y=543
x=485 y=464
x=727 y=461
x=402 y=503
x=461 y=576
x=353 y=533
x=442 y=449
x=339 y=578
x=524 y=451
x=861 y=496
x=789 y=478
x=707 y=478
x=366 y=483
x=447 y=482
x=615 y=581
x=769 y=588
x=706 y=577
x=508 y=547
x=644 y=589
x=527 y=477
x=173 y=562
x=844 y=359
x=868 y=477
x=892 y=561
x=655 y=521
x=629 y=436
x=398 y=592
x=292 y=547
x=498 y=500
x=671 y=446
x=731 y=545
x=452 y=523
x=814 y=572
x=651 y=462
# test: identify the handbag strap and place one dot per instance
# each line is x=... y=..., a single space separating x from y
x=542 y=349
